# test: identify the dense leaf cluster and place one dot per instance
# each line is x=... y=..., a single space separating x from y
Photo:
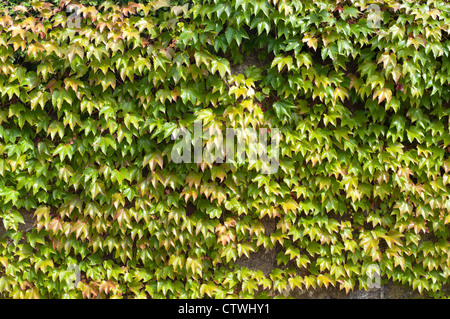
x=86 y=118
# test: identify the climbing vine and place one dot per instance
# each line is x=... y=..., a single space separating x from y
x=90 y=98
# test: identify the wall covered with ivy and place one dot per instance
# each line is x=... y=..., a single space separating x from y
x=91 y=98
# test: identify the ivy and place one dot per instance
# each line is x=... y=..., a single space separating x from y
x=92 y=95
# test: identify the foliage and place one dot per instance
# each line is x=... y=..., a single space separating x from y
x=85 y=130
